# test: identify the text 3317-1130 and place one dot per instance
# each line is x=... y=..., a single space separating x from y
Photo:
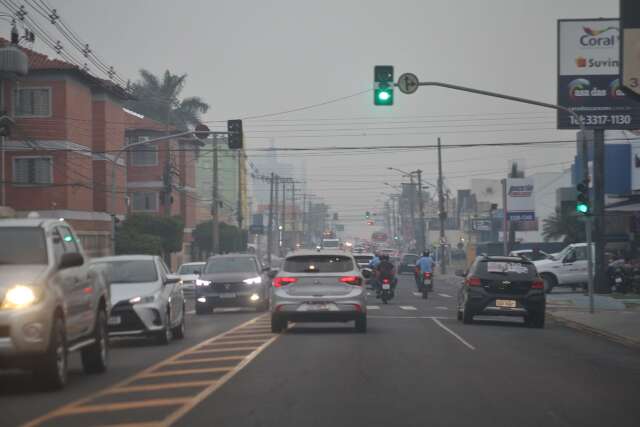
x=603 y=119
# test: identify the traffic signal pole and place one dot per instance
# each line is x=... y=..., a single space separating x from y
x=588 y=223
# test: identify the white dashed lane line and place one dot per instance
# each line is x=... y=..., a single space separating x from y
x=445 y=295
x=373 y=307
x=442 y=307
x=408 y=307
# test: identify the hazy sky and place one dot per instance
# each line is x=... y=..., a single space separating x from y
x=255 y=57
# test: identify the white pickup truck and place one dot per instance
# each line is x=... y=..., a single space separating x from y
x=567 y=268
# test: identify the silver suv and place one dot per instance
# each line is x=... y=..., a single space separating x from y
x=318 y=286
x=51 y=301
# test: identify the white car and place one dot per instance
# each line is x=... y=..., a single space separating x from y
x=189 y=273
x=567 y=268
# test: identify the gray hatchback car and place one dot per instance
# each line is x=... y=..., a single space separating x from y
x=318 y=286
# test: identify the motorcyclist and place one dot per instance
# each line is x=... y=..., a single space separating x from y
x=424 y=265
x=386 y=269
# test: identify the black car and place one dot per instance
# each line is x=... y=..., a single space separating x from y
x=502 y=286
x=408 y=263
x=235 y=280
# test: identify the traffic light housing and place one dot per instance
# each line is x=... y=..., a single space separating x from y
x=367 y=214
x=583 y=204
x=235 y=136
x=383 y=85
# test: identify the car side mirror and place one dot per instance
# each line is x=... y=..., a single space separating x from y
x=171 y=279
x=273 y=273
x=265 y=269
x=460 y=273
x=68 y=260
x=366 y=273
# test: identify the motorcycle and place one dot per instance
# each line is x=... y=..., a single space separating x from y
x=386 y=289
x=635 y=279
x=427 y=284
x=618 y=280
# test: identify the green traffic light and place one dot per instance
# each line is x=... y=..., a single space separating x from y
x=582 y=208
x=383 y=96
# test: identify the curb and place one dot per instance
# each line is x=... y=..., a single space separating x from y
x=628 y=342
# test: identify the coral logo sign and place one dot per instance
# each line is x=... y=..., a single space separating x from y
x=589 y=47
x=597 y=38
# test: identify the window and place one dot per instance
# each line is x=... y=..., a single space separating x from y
x=145 y=201
x=318 y=264
x=131 y=271
x=28 y=246
x=581 y=253
x=69 y=242
x=231 y=265
x=32 y=170
x=32 y=102
x=143 y=155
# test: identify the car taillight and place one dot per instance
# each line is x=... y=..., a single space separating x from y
x=537 y=284
x=385 y=281
x=351 y=280
x=279 y=282
x=427 y=275
x=473 y=281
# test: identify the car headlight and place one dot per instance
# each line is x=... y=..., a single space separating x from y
x=143 y=300
x=253 y=281
x=200 y=282
x=19 y=296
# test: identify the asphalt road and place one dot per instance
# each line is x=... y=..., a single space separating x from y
x=417 y=365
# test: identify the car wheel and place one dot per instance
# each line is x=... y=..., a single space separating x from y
x=52 y=371
x=278 y=324
x=467 y=316
x=549 y=282
x=361 y=324
x=178 y=331
x=165 y=335
x=95 y=357
x=535 y=320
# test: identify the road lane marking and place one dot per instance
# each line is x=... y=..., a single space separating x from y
x=462 y=340
x=418 y=294
x=410 y=317
x=442 y=307
x=191 y=312
x=445 y=295
x=373 y=307
x=86 y=409
x=408 y=307
x=185 y=404
x=206 y=360
x=217 y=343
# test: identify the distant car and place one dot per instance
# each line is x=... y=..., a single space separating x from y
x=235 y=280
x=51 y=301
x=363 y=259
x=408 y=263
x=318 y=286
x=502 y=286
x=568 y=268
x=146 y=299
x=189 y=273
x=530 y=254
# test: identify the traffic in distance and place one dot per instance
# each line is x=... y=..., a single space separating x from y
x=310 y=214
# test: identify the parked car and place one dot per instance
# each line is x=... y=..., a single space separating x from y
x=502 y=286
x=567 y=268
x=51 y=301
x=146 y=299
x=318 y=286
x=235 y=280
x=530 y=254
x=408 y=263
x=189 y=273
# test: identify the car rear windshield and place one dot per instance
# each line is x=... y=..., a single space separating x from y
x=22 y=246
x=500 y=268
x=133 y=271
x=231 y=265
x=318 y=264
x=190 y=268
x=363 y=259
x=410 y=259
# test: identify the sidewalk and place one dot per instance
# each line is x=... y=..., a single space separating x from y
x=615 y=319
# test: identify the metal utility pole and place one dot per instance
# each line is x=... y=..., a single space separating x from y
x=422 y=233
x=215 y=213
x=412 y=206
x=276 y=204
x=588 y=221
x=284 y=216
x=442 y=214
x=240 y=191
x=600 y=281
x=270 y=221
x=294 y=227
x=304 y=218
x=505 y=218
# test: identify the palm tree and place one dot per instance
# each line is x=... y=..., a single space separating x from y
x=159 y=98
x=563 y=226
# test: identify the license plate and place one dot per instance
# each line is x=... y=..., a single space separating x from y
x=509 y=303
x=386 y=286
x=227 y=295
x=115 y=320
x=618 y=280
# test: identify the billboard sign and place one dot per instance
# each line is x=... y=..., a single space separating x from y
x=635 y=166
x=520 y=199
x=630 y=46
x=379 y=237
x=481 y=224
x=588 y=76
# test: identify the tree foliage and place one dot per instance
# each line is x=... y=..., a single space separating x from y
x=563 y=226
x=231 y=238
x=149 y=234
x=159 y=98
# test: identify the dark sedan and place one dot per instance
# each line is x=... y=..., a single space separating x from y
x=502 y=286
x=232 y=281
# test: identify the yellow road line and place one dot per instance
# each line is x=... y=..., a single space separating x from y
x=120 y=406
x=153 y=387
x=176 y=372
x=212 y=388
x=57 y=412
x=223 y=350
x=205 y=360
x=235 y=342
